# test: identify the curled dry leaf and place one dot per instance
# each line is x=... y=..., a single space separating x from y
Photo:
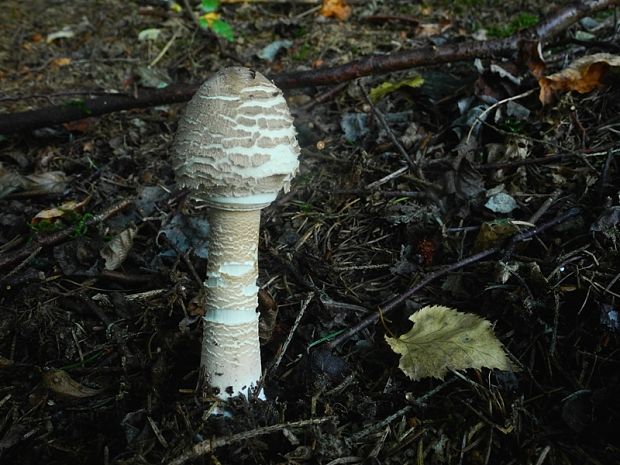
x=444 y=339
x=268 y=309
x=59 y=382
x=582 y=75
x=337 y=8
x=116 y=251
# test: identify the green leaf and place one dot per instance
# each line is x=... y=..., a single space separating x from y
x=377 y=93
x=208 y=6
x=203 y=22
x=444 y=339
x=223 y=29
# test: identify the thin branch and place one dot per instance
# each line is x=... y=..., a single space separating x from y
x=420 y=402
x=371 y=65
x=424 y=56
x=208 y=446
x=379 y=115
x=78 y=109
x=390 y=305
x=284 y=347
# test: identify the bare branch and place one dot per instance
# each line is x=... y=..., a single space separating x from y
x=371 y=65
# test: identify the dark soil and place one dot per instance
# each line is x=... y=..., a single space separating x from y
x=100 y=366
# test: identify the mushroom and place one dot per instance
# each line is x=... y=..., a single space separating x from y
x=235 y=149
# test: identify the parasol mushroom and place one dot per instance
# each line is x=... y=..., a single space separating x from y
x=235 y=149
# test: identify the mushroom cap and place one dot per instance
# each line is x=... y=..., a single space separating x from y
x=235 y=146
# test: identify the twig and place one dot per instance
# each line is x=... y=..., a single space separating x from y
x=325 y=96
x=410 y=194
x=524 y=162
x=208 y=446
x=484 y=114
x=419 y=402
x=387 y=178
x=304 y=305
x=538 y=214
x=390 y=305
x=543 y=455
x=602 y=180
x=49 y=97
x=610 y=151
x=185 y=258
x=389 y=132
x=165 y=49
x=25 y=262
x=190 y=14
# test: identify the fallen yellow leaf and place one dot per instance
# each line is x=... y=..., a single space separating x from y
x=444 y=339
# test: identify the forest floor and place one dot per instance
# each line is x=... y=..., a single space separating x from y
x=99 y=363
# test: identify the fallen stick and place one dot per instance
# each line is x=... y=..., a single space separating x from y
x=209 y=445
x=371 y=65
x=390 y=305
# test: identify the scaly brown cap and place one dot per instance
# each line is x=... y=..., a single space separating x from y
x=235 y=146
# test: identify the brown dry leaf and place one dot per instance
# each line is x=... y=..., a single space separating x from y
x=337 y=8
x=196 y=306
x=582 y=75
x=62 y=384
x=268 y=309
x=115 y=252
x=80 y=125
x=444 y=339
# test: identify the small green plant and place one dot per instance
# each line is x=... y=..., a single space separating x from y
x=513 y=125
x=69 y=217
x=46 y=226
x=302 y=52
x=82 y=225
x=80 y=104
x=306 y=207
x=521 y=21
x=211 y=20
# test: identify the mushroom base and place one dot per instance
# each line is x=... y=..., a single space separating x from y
x=231 y=349
x=230 y=356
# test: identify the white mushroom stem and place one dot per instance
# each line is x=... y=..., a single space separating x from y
x=231 y=350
